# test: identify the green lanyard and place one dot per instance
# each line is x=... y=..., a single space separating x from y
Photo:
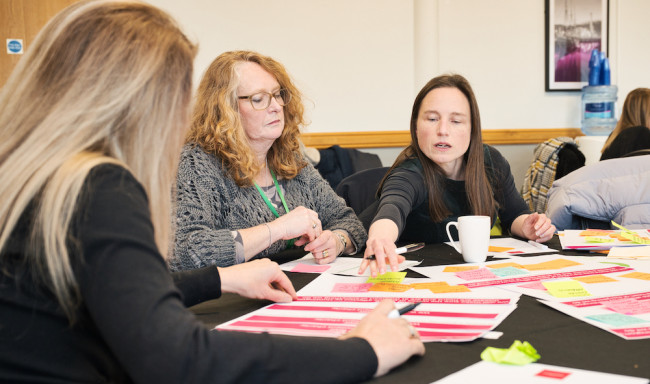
x=270 y=205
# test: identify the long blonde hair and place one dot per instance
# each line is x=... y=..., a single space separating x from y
x=217 y=127
x=636 y=112
x=103 y=82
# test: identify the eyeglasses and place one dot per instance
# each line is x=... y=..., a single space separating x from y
x=262 y=100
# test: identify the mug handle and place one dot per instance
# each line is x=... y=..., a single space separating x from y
x=453 y=243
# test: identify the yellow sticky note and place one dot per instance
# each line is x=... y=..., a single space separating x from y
x=450 y=289
x=429 y=285
x=388 y=277
x=504 y=265
x=493 y=248
x=389 y=287
x=460 y=268
x=636 y=238
x=569 y=288
x=637 y=275
x=622 y=228
x=594 y=279
x=549 y=265
x=594 y=239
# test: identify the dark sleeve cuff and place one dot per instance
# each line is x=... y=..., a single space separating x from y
x=325 y=360
x=198 y=285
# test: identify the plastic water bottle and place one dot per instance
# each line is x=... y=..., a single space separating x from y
x=598 y=111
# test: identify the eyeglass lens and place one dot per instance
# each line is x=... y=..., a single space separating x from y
x=262 y=100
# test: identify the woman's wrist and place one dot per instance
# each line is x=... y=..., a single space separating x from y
x=342 y=242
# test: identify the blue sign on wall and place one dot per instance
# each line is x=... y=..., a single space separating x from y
x=15 y=46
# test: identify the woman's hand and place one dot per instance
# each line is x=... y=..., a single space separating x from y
x=393 y=340
x=535 y=226
x=258 y=279
x=300 y=222
x=381 y=244
x=325 y=248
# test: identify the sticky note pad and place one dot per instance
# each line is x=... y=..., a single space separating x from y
x=509 y=271
x=595 y=279
x=629 y=306
x=479 y=274
x=595 y=232
x=310 y=268
x=429 y=285
x=450 y=289
x=351 y=287
x=550 y=265
x=616 y=319
x=389 y=287
x=504 y=265
x=460 y=268
x=570 y=288
x=493 y=248
x=637 y=275
x=594 y=239
x=388 y=277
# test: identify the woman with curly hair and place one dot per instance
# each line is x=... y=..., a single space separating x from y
x=244 y=190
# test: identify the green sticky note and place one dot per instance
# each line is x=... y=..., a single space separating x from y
x=518 y=354
x=571 y=288
x=594 y=239
x=388 y=277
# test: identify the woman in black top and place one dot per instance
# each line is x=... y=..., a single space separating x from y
x=632 y=132
x=91 y=127
x=445 y=172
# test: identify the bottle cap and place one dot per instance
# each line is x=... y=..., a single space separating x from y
x=594 y=68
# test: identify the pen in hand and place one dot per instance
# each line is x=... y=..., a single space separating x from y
x=395 y=313
x=400 y=250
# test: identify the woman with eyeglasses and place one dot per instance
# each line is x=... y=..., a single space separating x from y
x=244 y=190
x=92 y=122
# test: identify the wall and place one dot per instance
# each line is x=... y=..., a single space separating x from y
x=361 y=62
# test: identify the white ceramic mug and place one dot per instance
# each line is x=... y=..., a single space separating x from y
x=473 y=236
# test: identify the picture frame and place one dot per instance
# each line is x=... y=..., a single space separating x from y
x=573 y=29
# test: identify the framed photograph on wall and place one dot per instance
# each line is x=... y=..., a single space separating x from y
x=573 y=29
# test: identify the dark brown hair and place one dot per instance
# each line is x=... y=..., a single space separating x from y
x=477 y=186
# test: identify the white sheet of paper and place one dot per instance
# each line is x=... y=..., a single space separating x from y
x=323 y=310
x=571 y=239
x=632 y=253
x=535 y=373
x=342 y=265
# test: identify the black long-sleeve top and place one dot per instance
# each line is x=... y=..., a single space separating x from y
x=404 y=199
x=132 y=324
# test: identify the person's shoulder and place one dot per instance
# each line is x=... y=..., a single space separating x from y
x=196 y=159
x=493 y=157
x=411 y=164
x=112 y=177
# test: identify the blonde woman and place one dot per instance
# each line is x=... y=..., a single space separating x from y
x=91 y=127
x=632 y=132
x=244 y=189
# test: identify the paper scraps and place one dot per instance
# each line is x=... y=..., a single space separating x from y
x=518 y=354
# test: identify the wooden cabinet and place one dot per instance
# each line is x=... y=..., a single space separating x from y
x=22 y=19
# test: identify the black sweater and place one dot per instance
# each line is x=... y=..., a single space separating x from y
x=405 y=199
x=132 y=324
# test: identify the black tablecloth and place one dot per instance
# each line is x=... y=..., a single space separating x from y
x=559 y=339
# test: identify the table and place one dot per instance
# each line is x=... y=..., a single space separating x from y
x=559 y=339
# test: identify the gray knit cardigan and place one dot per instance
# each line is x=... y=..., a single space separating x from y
x=210 y=205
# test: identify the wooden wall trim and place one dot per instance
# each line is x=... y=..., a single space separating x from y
x=390 y=139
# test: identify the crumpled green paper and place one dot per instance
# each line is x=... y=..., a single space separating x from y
x=518 y=354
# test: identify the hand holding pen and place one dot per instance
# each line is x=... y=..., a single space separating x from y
x=376 y=261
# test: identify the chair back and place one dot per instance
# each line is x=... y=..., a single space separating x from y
x=359 y=189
